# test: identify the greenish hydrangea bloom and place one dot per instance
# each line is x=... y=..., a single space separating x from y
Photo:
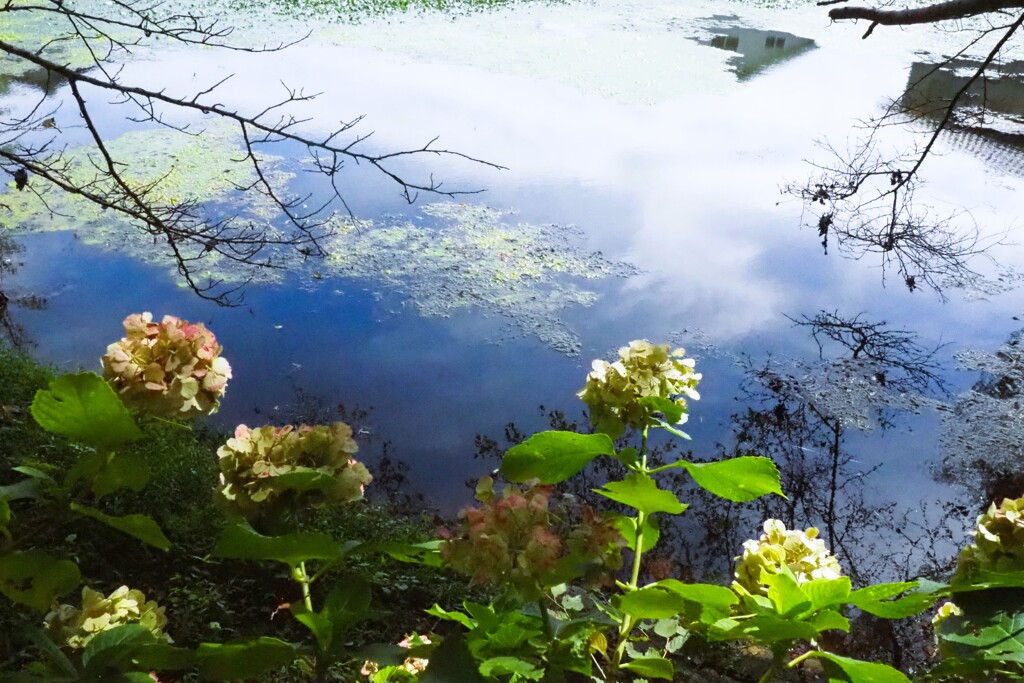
x=613 y=390
x=172 y=369
x=260 y=465
x=998 y=540
x=74 y=627
x=802 y=551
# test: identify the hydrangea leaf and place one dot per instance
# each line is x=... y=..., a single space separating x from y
x=304 y=479
x=627 y=527
x=33 y=578
x=672 y=411
x=554 y=456
x=141 y=527
x=739 y=479
x=785 y=593
x=829 y=620
x=651 y=667
x=84 y=408
x=651 y=602
x=109 y=472
x=348 y=604
x=876 y=600
x=242 y=542
x=641 y=492
x=452 y=661
x=113 y=648
x=856 y=671
x=520 y=669
x=242 y=659
x=459 y=617
x=764 y=627
x=827 y=592
x=718 y=598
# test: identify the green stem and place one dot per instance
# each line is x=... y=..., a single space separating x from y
x=302 y=577
x=545 y=619
x=626 y=627
x=767 y=675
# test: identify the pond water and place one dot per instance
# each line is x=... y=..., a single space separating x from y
x=645 y=144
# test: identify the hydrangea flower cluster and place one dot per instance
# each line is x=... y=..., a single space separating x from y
x=74 y=627
x=998 y=540
x=513 y=540
x=170 y=369
x=613 y=390
x=256 y=463
x=802 y=551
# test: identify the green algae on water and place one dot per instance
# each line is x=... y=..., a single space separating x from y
x=475 y=258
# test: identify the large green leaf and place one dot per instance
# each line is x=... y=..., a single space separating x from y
x=641 y=492
x=651 y=667
x=875 y=600
x=113 y=649
x=553 y=457
x=521 y=669
x=650 y=533
x=856 y=671
x=108 y=472
x=33 y=578
x=242 y=542
x=827 y=592
x=718 y=598
x=651 y=602
x=785 y=593
x=459 y=617
x=452 y=662
x=739 y=479
x=828 y=620
x=84 y=408
x=764 y=627
x=139 y=526
x=242 y=659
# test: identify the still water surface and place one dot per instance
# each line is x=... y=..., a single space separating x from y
x=652 y=134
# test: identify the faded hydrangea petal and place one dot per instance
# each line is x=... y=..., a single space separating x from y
x=252 y=462
x=74 y=627
x=171 y=369
x=802 y=551
x=613 y=390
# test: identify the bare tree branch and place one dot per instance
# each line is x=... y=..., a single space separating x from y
x=110 y=34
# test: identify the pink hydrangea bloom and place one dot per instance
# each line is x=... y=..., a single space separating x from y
x=171 y=369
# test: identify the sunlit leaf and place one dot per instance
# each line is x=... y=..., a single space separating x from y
x=875 y=600
x=459 y=617
x=511 y=666
x=827 y=592
x=33 y=578
x=672 y=411
x=141 y=527
x=553 y=457
x=827 y=620
x=857 y=671
x=113 y=648
x=651 y=667
x=627 y=527
x=84 y=408
x=641 y=492
x=785 y=594
x=242 y=542
x=651 y=602
x=739 y=479
x=242 y=659
x=718 y=598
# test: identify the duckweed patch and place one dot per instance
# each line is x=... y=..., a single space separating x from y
x=205 y=169
x=476 y=258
